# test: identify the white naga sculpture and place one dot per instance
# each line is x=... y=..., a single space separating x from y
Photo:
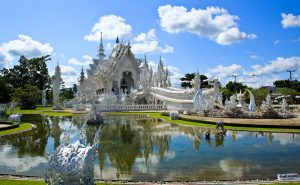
x=240 y=99
x=206 y=99
x=15 y=117
x=252 y=102
x=73 y=163
x=174 y=115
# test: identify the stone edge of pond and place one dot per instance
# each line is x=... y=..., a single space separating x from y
x=234 y=127
x=256 y=181
x=21 y=131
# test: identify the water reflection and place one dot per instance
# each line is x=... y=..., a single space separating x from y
x=137 y=148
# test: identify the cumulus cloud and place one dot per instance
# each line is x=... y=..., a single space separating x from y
x=213 y=22
x=23 y=45
x=11 y=161
x=85 y=61
x=68 y=70
x=225 y=71
x=69 y=75
x=233 y=35
x=111 y=26
x=280 y=64
x=258 y=75
x=290 y=20
x=148 y=43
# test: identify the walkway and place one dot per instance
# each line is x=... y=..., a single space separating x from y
x=292 y=123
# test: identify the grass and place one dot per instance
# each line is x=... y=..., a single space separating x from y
x=284 y=183
x=22 y=127
x=207 y=125
x=39 y=182
x=21 y=182
x=33 y=182
x=47 y=111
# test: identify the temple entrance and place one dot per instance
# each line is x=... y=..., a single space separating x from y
x=126 y=82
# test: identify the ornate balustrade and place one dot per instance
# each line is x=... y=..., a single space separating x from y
x=107 y=108
x=174 y=94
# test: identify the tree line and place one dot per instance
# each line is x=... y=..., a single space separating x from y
x=24 y=82
x=289 y=88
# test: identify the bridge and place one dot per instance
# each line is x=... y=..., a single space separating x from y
x=174 y=98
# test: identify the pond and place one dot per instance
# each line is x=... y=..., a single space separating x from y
x=138 y=148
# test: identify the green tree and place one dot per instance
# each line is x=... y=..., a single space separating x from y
x=260 y=95
x=187 y=79
x=28 y=96
x=32 y=71
x=232 y=88
x=204 y=81
x=66 y=93
x=287 y=84
x=291 y=93
x=5 y=90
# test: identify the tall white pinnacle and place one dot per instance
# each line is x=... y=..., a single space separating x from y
x=56 y=87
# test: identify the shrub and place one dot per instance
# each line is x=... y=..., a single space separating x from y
x=27 y=96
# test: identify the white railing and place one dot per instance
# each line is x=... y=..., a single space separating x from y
x=107 y=108
x=174 y=94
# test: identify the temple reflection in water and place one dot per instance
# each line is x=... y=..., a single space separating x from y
x=134 y=147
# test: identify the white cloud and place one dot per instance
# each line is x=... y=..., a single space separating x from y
x=213 y=22
x=24 y=45
x=148 y=43
x=225 y=71
x=280 y=64
x=68 y=70
x=69 y=75
x=175 y=75
x=233 y=35
x=111 y=26
x=277 y=42
x=254 y=57
x=290 y=20
x=15 y=163
x=86 y=60
x=264 y=75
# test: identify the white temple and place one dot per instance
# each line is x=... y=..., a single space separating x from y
x=121 y=73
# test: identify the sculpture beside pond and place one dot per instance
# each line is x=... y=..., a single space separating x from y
x=15 y=117
x=73 y=163
x=94 y=116
x=174 y=115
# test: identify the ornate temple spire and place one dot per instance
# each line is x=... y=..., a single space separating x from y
x=117 y=40
x=56 y=87
x=145 y=61
x=167 y=72
x=160 y=61
x=197 y=81
x=82 y=77
x=169 y=82
x=101 y=53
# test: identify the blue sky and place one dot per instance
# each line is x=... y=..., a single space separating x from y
x=219 y=38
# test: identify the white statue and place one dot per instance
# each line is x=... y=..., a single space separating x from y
x=73 y=163
x=44 y=100
x=56 y=88
x=206 y=99
x=174 y=115
x=252 y=101
x=240 y=98
x=15 y=117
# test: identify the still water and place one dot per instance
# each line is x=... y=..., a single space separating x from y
x=139 y=148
